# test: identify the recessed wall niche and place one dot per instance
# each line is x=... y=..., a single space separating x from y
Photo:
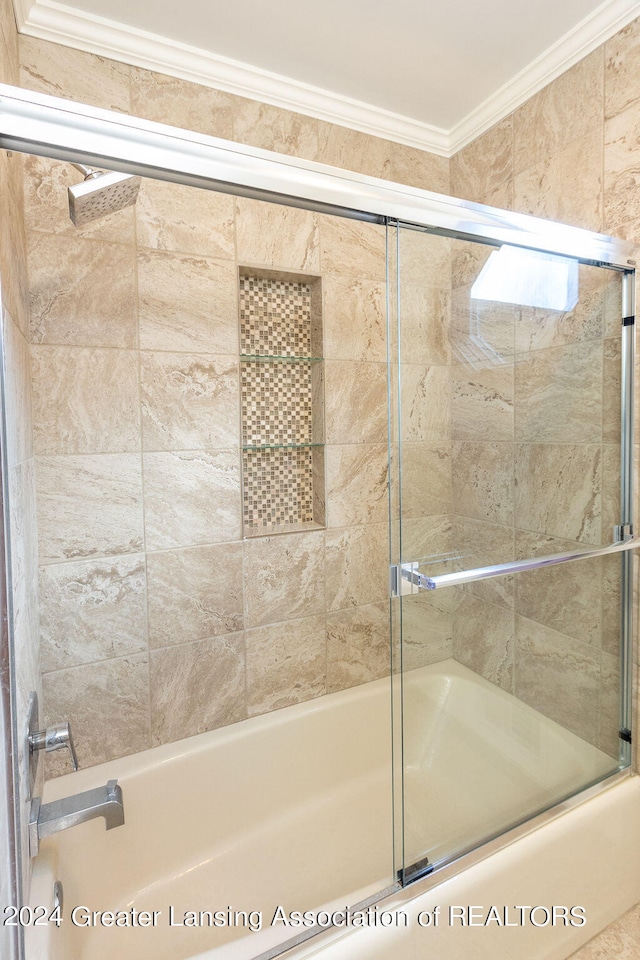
x=282 y=392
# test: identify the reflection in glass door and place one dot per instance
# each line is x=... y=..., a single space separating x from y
x=512 y=537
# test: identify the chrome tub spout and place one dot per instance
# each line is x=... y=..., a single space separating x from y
x=48 y=818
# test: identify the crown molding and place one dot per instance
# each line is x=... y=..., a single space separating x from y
x=589 y=34
x=50 y=20
x=59 y=23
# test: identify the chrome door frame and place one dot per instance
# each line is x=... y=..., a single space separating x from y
x=49 y=126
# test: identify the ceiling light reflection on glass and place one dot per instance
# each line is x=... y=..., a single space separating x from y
x=528 y=278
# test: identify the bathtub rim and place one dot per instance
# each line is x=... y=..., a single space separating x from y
x=395 y=897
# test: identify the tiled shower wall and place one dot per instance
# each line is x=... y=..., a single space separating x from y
x=536 y=428
x=300 y=614
x=569 y=153
x=284 y=618
x=146 y=586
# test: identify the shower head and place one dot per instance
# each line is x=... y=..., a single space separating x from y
x=100 y=194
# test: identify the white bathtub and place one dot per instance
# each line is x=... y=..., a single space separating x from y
x=294 y=808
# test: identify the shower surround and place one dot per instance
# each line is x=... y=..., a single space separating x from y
x=146 y=586
x=152 y=612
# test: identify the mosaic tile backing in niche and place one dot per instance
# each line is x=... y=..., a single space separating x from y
x=278 y=486
x=276 y=403
x=281 y=394
x=275 y=317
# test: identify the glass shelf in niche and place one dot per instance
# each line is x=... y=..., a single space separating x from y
x=282 y=446
x=267 y=358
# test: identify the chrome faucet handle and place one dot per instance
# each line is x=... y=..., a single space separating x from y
x=55 y=737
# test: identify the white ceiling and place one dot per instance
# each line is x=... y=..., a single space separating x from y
x=432 y=73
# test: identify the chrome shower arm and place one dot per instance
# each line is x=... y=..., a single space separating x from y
x=88 y=172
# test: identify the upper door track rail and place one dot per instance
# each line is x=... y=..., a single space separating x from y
x=411 y=573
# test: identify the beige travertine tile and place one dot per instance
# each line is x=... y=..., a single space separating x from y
x=355 y=402
x=482 y=169
x=9 y=64
x=611 y=387
x=551 y=189
x=351 y=150
x=558 y=676
x=425 y=317
x=483 y=639
x=613 y=306
x=481 y=332
x=621 y=175
x=184 y=219
x=478 y=543
x=181 y=103
x=482 y=406
x=354 y=319
x=82 y=291
x=418 y=168
x=187 y=303
x=196 y=687
x=621 y=70
x=425 y=536
x=424 y=259
x=46 y=203
x=559 y=490
x=18 y=410
x=425 y=398
x=62 y=71
x=284 y=577
x=85 y=400
x=277 y=236
x=466 y=261
x=539 y=329
x=13 y=245
x=483 y=481
x=286 y=663
x=272 y=128
x=105 y=724
x=194 y=593
x=426 y=479
x=564 y=110
x=191 y=498
x=609 y=707
x=358 y=646
x=611 y=605
x=558 y=394
x=611 y=501
x=427 y=629
x=352 y=248
x=357 y=565
x=92 y=610
x=88 y=506
x=189 y=401
x=502 y=198
x=357 y=483
x=566 y=598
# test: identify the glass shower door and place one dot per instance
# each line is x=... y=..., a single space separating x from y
x=511 y=610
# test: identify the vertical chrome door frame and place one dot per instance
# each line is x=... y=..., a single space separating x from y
x=627 y=488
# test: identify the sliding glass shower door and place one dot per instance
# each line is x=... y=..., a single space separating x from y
x=511 y=534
